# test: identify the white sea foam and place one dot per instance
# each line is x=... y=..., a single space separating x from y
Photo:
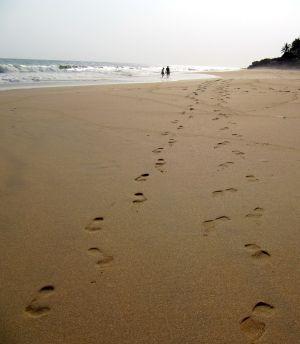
x=35 y=73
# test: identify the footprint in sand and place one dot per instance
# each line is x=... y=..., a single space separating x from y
x=226 y=164
x=103 y=259
x=180 y=127
x=211 y=224
x=252 y=326
x=165 y=133
x=219 y=144
x=223 y=114
x=171 y=141
x=142 y=178
x=158 y=150
x=215 y=118
x=257 y=252
x=256 y=212
x=222 y=192
x=191 y=108
x=251 y=178
x=139 y=197
x=263 y=308
x=39 y=305
x=159 y=164
x=95 y=224
x=224 y=128
x=237 y=152
x=175 y=121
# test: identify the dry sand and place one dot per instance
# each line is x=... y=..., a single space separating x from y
x=156 y=213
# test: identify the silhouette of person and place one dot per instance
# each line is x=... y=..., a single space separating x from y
x=163 y=72
x=168 y=72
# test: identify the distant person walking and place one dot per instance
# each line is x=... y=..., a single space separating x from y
x=163 y=72
x=168 y=72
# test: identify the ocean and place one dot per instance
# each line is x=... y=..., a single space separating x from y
x=29 y=73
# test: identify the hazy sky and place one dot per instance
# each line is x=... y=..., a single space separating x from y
x=209 y=32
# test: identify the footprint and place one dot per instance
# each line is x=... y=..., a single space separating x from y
x=257 y=252
x=159 y=163
x=38 y=306
x=102 y=259
x=191 y=109
x=221 y=144
x=211 y=224
x=223 y=114
x=256 y=212
x=237 y=152
x=95 y=224
x=171 y=141
x=251 y=178
x=180 y=127
x=226 y=164
x=262 y=308
x=175 y=121
x=224 y=128
x=165 y=133
x=252 y=328
x=215 y=118
x=139 y=197
x=158 y=150
x=142 y=177
x=221 y=192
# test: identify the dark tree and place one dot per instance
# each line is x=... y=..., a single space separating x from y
x=295 y=47
x=285 y=48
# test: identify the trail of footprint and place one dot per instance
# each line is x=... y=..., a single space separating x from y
x=251 y=178
x=38 y=306
x=95 y=224
x=103 y=259
x=257 y=252
x=256 y=212
x=139 y=197
x=221 y=192
x=142 y=178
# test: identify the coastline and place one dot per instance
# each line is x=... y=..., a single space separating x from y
x=75 y=83
x=152 y=212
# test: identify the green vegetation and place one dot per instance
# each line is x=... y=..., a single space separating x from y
x=290 y=58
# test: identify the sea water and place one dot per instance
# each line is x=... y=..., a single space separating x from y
x=29 y=73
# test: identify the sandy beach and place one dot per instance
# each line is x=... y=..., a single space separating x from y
x=152 y=213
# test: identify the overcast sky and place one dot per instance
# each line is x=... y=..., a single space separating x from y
x=209 y=32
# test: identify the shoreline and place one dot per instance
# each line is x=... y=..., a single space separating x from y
x=23 y=87
x=152 y=212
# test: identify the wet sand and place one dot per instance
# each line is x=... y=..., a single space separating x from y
x=152 y=213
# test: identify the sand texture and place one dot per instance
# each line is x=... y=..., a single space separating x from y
x=152 y=213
